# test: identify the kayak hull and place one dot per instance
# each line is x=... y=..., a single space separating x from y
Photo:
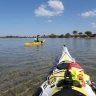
x=34 y=43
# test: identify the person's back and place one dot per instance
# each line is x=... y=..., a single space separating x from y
x=35 y=39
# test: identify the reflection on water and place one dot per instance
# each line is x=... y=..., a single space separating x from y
x=23 y=69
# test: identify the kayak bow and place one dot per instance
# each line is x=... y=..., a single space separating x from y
x=66 y=57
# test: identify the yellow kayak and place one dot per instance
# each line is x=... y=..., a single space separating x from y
x=34 y=43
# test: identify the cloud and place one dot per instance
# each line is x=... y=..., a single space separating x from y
x=56 y=6
x=88 y=14
x=49 y=21
x=42 y=11
x=94 y=25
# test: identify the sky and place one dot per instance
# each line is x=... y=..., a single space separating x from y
x=45 y=17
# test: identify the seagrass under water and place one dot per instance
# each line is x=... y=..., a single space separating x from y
x=23 y=69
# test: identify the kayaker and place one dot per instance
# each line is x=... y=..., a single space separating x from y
x=36 y=39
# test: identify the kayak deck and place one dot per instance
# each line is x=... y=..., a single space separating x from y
x=67 y=78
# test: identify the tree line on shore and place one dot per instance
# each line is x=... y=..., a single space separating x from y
x=11 y=36
x=75 y=34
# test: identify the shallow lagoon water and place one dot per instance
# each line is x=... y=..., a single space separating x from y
x=23 y=69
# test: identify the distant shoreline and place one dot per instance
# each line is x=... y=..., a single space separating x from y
x=67 y=35
x=51 y=37
x=75 y=34
x=16 y=37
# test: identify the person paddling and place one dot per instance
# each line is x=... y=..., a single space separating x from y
x=36 y=38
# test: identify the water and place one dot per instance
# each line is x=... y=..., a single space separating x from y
x=23 y=69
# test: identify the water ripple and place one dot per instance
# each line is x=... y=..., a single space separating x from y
x=23 y=69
